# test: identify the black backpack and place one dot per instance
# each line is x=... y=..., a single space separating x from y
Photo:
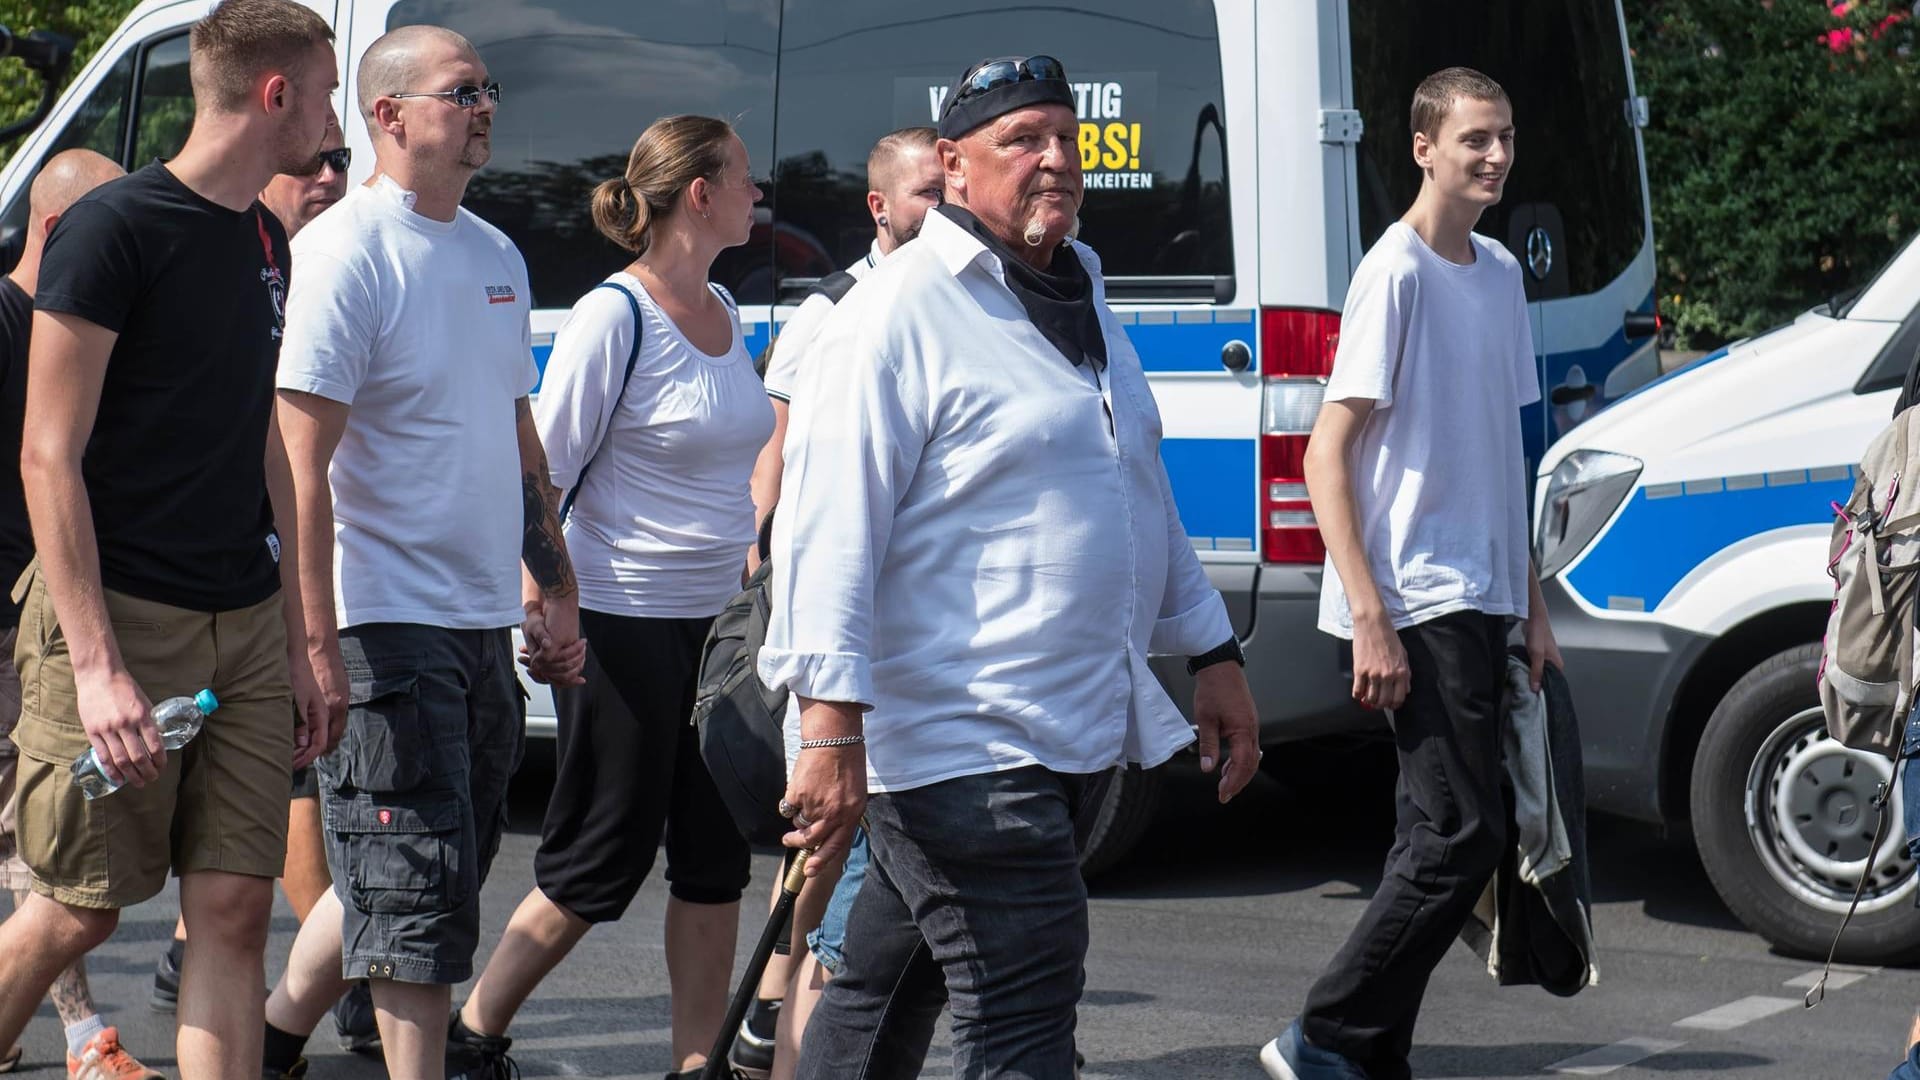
x=739 y=720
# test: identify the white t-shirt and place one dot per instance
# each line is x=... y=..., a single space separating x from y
x=660 y=528
x=421 y=327
x=1445 y=352
x=783 y=365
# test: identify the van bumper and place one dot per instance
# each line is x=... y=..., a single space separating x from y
x=1625 y=675
x=1301 y=678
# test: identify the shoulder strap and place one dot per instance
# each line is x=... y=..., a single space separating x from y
x=834 y=286
x=633 y=356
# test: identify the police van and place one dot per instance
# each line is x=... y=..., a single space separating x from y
x=1683 y=537
x=1240 y=156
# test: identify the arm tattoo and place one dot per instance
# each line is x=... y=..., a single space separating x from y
x=542 y=546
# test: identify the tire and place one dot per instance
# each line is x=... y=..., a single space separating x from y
x=1783 y=822
x=1113 y=820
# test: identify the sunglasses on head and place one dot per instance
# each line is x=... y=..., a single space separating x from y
x=1002 y=72
x=466 y=97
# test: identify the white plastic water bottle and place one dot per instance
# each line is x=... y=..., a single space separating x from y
x=179 y=720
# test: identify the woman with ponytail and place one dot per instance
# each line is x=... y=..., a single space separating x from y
x=651 y=415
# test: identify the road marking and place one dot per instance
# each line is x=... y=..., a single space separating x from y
x=1736 y=1013
x=1618 y=1056
x=1842 y=976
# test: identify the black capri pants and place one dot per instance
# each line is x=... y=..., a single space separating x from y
x=628 y=768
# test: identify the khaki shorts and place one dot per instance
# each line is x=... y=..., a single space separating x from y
x=13 y=872
x=219 y=804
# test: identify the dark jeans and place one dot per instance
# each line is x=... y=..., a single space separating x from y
x=973 y=896
x=1448 y=842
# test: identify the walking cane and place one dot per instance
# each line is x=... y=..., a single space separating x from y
x=796 y=877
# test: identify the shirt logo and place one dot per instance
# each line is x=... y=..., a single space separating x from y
x=276 y=297
x=273 y=547
x=500 y=294
x=386 y=817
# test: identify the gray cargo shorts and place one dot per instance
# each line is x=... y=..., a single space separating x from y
x=415 y=798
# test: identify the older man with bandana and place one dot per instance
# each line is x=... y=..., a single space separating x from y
x=979 y=548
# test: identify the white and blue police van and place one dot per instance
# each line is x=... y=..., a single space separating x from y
x=1240 y=156
x=1683 y=542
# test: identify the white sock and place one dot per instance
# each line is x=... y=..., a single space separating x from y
x=80 y=1032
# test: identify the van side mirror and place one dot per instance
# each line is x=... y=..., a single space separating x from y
x=1641 y=324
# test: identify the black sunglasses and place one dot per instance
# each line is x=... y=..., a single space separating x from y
x=337 y=159
x=466 y=97
x=1002 y=72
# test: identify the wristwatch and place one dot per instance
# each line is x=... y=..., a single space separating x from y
x=1219 y=654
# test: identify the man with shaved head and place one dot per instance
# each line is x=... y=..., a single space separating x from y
x=161 y=512
x=421 y=489
x=62 y=181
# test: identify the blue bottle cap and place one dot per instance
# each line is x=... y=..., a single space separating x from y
x=206 y=701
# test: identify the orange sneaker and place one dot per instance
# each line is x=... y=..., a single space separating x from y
x=105 y=1059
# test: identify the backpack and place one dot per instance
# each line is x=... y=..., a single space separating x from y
x=1866 y=659
x=740 y=720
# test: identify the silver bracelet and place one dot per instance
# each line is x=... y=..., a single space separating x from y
x=821 y=744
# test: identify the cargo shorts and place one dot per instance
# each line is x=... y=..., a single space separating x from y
x=220 y=803
x=14 y=875
x=414 y=799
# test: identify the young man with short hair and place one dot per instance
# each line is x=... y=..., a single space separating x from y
x=161 y=514
x=1418 y=481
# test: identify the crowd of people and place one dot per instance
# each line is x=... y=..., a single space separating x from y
x=278 y=440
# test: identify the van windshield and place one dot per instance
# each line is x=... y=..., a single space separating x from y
x=1576 y=169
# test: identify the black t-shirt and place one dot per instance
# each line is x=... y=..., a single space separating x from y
x=16 y=539
x=175 y=469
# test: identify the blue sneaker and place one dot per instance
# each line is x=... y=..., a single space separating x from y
x=1292 y=1057
x=1910 y=1068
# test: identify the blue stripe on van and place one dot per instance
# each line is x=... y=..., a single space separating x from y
x=1215 y=483
x=1668 y=530
x=1170 y=341
x=754 y=335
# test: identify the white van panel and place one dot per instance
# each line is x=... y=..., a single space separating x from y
x=1302 y=212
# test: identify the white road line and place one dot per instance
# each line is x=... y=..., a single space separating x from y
x=1736 y=1013
x=1608 y=1058
x=1842 y=976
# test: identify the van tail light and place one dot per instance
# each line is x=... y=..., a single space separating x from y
x=1296 y=356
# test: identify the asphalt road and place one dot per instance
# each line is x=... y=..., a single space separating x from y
x=1203 y=944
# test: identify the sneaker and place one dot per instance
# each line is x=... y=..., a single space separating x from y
x=104 y=1059
x=752 y=1052
x=166 y=984
x=1292 y=1057
x=295 y=1071
x=473 y=1056
x=354 y=1022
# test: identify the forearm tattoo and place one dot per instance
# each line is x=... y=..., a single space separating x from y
x=542 y=547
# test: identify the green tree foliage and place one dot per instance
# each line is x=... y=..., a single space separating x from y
x=87 y=22
x=1782 y=155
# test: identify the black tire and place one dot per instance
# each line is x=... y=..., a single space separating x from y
x=1113 y=820
x=1780 y=812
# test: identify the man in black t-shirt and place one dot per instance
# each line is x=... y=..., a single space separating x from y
x=64 y=178
x=151 y=481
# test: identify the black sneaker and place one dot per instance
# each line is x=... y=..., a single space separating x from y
x=354 y=1022
x=473 y=1056
x=752 y=1053
x=295 y=1071
x=166 y=984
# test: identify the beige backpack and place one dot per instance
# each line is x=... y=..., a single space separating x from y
x=1866 y=660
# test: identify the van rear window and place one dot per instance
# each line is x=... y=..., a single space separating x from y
x=1146 y=77
x=1576 y=167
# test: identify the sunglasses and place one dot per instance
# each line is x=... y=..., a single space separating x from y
x=337 y=159
x=466 y=97
x=1002 y=72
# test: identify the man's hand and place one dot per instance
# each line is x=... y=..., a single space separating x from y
x=828 y=791
x=309 y=711
x=1381 y=677
x=554 y=652
x=1541 y=648
x=330 y=678
x=1223 y=711
x=118 y=720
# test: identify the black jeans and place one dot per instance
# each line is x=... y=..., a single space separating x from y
x=1450 y=837
x=973 y=896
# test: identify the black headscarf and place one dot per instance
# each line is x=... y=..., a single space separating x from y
x=1058 y=300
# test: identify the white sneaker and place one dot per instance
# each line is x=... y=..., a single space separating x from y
x=1275 y=1065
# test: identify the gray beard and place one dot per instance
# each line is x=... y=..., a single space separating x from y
x=474 y=157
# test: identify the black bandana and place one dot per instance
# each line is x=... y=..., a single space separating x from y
x=958 y=117
x=1058 y=300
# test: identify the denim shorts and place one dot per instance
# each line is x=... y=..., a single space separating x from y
x=829 y=941
x=415 y=798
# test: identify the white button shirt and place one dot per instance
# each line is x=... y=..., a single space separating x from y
x=974 y=542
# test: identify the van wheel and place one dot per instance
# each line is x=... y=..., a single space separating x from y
x=1783 y=818
x=1111 y=823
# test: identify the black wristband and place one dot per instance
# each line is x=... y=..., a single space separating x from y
x=1219 y=654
